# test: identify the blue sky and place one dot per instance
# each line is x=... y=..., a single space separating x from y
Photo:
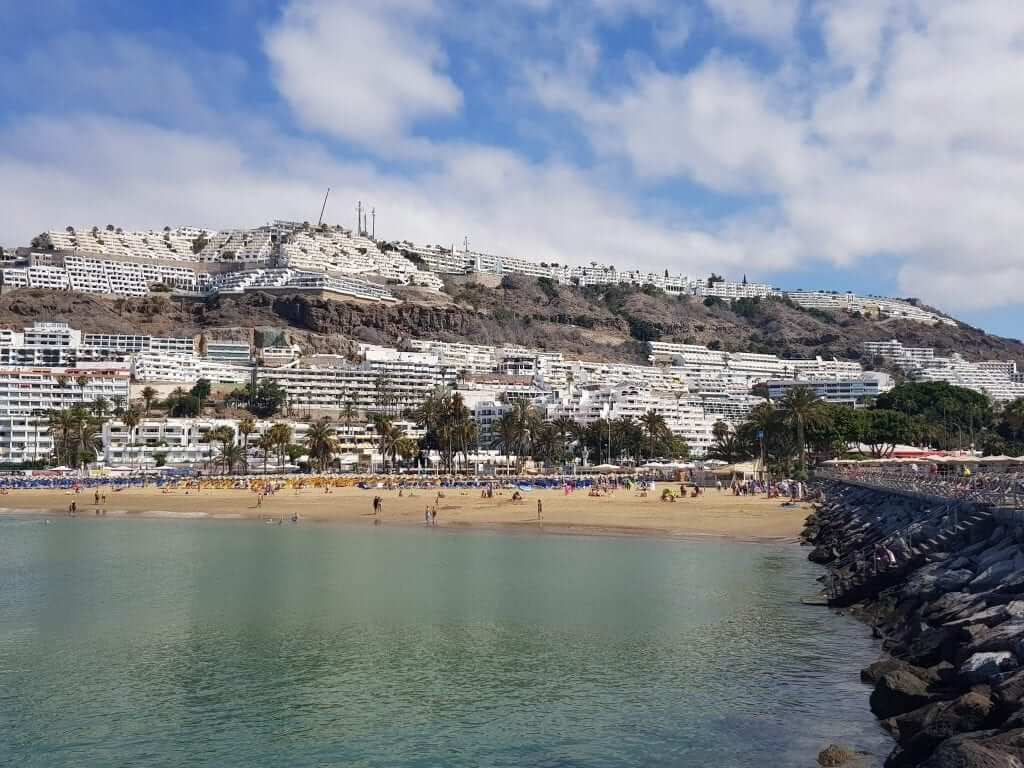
x=870 y=145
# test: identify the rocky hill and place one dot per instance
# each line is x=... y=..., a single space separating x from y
x=599 y=324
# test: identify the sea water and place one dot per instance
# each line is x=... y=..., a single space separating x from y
x=212 y=643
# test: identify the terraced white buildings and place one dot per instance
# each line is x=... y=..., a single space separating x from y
x=999 y=379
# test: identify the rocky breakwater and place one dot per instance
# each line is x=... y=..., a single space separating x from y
x=942 y=583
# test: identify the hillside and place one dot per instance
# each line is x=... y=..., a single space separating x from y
x=600 y=324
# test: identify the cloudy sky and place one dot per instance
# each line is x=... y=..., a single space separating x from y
x=873 y=145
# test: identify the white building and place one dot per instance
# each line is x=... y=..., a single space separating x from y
x=853 y=391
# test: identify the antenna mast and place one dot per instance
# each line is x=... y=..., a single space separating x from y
x=359 y=218
x=323 y=208
x=373 y=226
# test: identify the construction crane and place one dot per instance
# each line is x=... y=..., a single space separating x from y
x=323 y=208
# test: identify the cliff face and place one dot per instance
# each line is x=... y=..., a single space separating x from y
x=609 y=324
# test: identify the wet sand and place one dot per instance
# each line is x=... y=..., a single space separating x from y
x=712 y=514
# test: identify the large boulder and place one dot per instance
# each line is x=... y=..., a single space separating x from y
x=836 y=754
x=1008 y=692
x=982 y=667
x=952 y=580
x=996 y=573
x=952 y=606
x=897 y=692
x=1002 y=637
x=995 y=614
x=923 y=729
x=981 y=749
x=931 y=646
x=873 y=672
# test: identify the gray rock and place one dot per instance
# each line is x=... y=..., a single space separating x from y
x=921 y=730
x=982 y=667
x=996 y=614
x=981 y=749
x=993 y=575
x=897 y=692
x=1002 y=637
x=953 y=580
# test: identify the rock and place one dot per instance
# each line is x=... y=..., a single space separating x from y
x=1009 y=692
x=821 y=555
x=921 y=730
x=996 y=614
x=988 y=558
x=952 y=580
x=834 y=754
x=981 y=749
x=873 y=672
x=982 y=667
x=952 y=606
x=931 y=646
x=897 y=692
x=994 y=574
x=1002 y=637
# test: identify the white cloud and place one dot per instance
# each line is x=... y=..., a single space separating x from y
x=364 y=72
x=902 y=142
x=770 y=21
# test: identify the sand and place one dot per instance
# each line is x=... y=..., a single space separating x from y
x=713 y=514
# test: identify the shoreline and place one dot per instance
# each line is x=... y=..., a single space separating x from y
x=714 y=515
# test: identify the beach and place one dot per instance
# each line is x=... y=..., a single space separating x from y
x=714 y=513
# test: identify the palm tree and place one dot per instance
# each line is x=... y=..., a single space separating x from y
x=281 y=435
x=321 y=443
x=800 y=407
x=245 y=428
x=99 y=407
x=388 y=437
x=656 y=428
x=131 y=421
x=407 y=448
x=266 y=444
x=149 y=396
x=231 y=455
x=119 y=404
x=61 y=426
x=506 y=435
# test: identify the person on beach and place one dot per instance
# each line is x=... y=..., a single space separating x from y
x=433 y=515
x=540 y=510
x=426 y=515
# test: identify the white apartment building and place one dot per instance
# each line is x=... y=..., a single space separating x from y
x=230 y=352
x=162 y=367
x=25 y=389
x=295 y=281
x=853 y=391
x=186 y=441
x=371 y=386
x=685 y=418
x=999 y=379
x=867 y=305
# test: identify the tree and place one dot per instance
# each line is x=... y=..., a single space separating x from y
x=201 y=390
x=321 y=444
x=266 y=444
x=231 y=456
x=388 y=437
x=160 y=458
x=657 y=430
x=99 y=407
x=727 y=445
x=182 y=404
x=407 y=448
x=131 y=421
x=800 y=407
x=246 y=427
x=264 y=401
x=119 y=401
x=149 y=396
x=281 y=436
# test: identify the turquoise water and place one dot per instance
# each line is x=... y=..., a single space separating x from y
x=202 y=643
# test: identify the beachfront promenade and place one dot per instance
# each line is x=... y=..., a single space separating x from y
x=998 y=486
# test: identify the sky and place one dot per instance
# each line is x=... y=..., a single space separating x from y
x=867 y=145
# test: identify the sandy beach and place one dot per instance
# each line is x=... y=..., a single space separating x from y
x=713 y=514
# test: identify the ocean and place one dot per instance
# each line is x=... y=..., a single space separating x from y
x=231 y=643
